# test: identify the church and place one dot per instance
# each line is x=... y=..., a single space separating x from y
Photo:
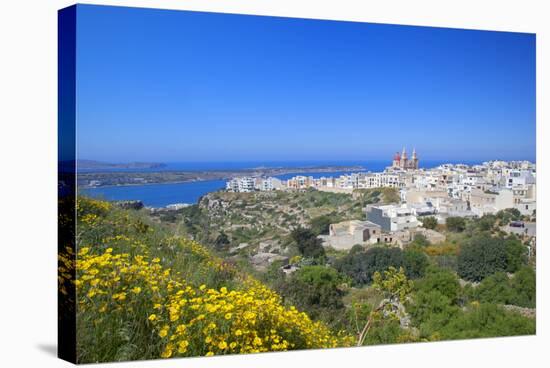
x=403 y=162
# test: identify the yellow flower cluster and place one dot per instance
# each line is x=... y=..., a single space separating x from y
x=65 y=269
x=187 y=320
x=85 y=205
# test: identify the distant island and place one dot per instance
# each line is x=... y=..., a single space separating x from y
x=114 y=178
x=100 y=165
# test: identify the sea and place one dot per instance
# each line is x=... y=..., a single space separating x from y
x=162 y=195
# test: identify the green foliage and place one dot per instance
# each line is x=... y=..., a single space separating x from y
x=429 y=222
x=516 y=254
x=507 y=215
x=320 y=224
x=486 y=222
x=520 y=289
x=524 y=287
x=419 y=241
x=494 y=289
x=308 y=244
x=317 y=290
x=441 y=280
x=415 y=263
x=480 y=257
x=392 y=283
x=381 y=322
x=487 y=320
x=456 y=224
x=484 y=255
x=360 y=265
x=384 y=332
x=431 y=310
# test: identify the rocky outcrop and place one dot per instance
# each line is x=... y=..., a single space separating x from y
x=129 y=205
x=526 y=312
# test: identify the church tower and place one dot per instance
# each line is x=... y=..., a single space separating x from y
x=414 y=159
x=404 y=160
x=396 y=161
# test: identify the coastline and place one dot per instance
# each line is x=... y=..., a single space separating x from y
x=224 y=175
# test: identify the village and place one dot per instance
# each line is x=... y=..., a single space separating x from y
x=446 y=191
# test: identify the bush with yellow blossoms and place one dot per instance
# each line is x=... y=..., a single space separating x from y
x=142 y=296
x=179 y=319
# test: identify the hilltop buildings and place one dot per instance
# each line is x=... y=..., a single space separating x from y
x=247 y=184
x=446 y=190
x=450 y=190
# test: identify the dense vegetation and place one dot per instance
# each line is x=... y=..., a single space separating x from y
x=143 y=293
x=145 y=290
x=360 y=264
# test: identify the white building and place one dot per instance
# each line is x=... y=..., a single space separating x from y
x=490 y=202
x=345 y=235
x=241 y=184
x=269 y=184
x=392 y=217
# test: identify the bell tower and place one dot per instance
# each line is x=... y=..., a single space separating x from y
x=414 y=159
x=404 y=160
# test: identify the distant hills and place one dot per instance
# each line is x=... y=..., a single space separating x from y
x=92 y=164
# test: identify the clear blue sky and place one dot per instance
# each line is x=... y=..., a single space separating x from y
x=156 y=85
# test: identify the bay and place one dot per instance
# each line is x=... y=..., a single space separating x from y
x=161 y=195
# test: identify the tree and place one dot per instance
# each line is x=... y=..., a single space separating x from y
x=415 y=263
x=524 y=287
x=222 y=240
x=520 y=289
x=320 y=225
x=308 y=244
x=429 y=222
x=516 y=254
x=507 y=215
x=395 y=288
x=434 y=303
x=317 y=290
x=455 y=224
x=480 y=257
x=494 y=289
x=486 y=222
x=441 y=280
x=431 y=310
x=360 y=265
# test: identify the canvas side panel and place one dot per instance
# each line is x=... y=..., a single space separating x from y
x=66 y=334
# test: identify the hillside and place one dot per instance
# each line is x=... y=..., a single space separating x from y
x=145 y=290
x=266 y=217
x=143 y=293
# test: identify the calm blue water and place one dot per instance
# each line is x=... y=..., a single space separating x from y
x=161 y=195
x=158 y=195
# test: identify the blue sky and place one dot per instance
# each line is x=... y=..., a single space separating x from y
x=156 y=85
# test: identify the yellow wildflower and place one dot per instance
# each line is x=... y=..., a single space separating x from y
x=164 y=331
x=167 y=353
x=222 y=345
